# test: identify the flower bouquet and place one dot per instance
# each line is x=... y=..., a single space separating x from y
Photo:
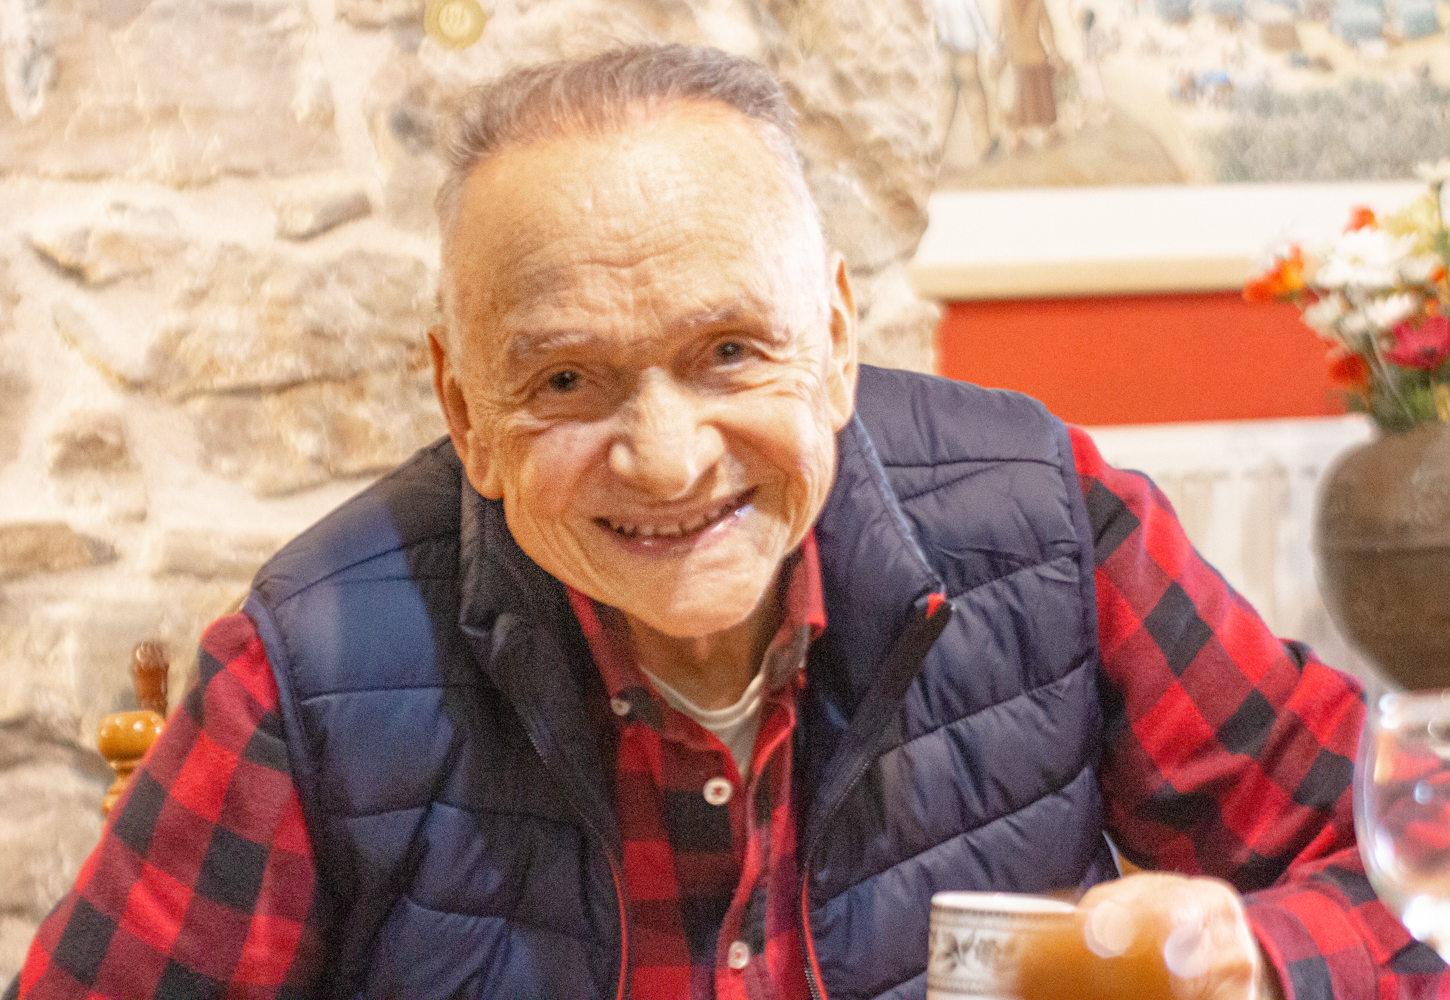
x=1379 y=295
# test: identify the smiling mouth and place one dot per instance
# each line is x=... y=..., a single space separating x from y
x=697 y=524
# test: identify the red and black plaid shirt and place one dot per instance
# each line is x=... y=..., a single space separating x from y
x=1226 y=753
x=709 y=854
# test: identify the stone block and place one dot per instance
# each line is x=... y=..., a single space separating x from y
x=15 y=381
x=124 y=242
x=89 y=440
x=47 y=547
x=209 y=553
x=246 y=320
x=114 y=497
x=403 y=103
x=896 y=318
x=284 y=442
x=304 y=218
x=15 y=394
x=177 y=91
x=92 y=467
x=381 y=13
x=864 y=78
x=50 y=822
x=9 y=294
x=30 y=738
x=265 y=321
x=51 y=789
x=239 y=440
x=16 y=933
x=117 y=352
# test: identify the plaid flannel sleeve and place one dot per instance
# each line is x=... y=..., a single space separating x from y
x=1230 y=753
x=202 y=884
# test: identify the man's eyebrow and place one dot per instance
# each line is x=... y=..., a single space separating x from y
x=721 y=316
x=523 y=347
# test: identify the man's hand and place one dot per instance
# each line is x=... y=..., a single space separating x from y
x=1156 y=935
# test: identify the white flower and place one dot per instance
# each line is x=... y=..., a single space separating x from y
x=1419 y=270
x=1364 y=260
x=1388 y=312
x=1354 y=326
x=1323 y=316
x=1434 y=174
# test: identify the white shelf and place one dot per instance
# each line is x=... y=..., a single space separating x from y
x=1044 y=242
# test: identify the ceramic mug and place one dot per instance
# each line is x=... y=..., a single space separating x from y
x=976 y=939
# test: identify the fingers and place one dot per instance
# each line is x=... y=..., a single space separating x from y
x=1196 y=927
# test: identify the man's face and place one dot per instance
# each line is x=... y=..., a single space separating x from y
x=648 y=364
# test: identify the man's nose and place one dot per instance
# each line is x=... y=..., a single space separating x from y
x=664 y=443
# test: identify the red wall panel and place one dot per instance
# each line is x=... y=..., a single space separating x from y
x=1142 y=358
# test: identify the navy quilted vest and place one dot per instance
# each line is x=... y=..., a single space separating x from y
x=436 y=693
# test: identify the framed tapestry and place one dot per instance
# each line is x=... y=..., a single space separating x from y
x=1155 y=145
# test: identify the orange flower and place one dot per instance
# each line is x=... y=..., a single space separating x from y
x=1284 y=278
x=1348 y=369
x=1360 y=217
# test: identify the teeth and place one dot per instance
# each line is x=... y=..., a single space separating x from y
x=678 y=530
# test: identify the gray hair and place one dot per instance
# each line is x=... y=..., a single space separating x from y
x=602 y=95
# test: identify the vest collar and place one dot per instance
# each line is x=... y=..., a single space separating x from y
x=873 y=570
x=525 y=637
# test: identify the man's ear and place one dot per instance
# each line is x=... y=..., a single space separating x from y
x=469 y=441
x=841 y=379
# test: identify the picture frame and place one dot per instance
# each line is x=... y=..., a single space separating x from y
x=1181 y=139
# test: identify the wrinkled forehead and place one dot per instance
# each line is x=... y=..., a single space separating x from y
x=689 y=195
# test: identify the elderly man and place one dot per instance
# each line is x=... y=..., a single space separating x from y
x=696 y=660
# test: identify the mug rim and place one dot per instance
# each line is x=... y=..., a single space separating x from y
x=1016 y=903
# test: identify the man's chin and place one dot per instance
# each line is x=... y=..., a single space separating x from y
x=695 y=622
x=686 y=611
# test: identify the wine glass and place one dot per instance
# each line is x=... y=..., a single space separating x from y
x=1402 y=810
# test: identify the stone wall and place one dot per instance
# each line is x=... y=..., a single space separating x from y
x=216 y=265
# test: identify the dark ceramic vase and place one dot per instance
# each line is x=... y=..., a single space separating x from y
x=1383 y=546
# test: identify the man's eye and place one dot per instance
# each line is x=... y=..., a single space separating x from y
x=730 y=352
x=564 y=381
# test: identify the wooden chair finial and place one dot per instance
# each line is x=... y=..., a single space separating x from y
x=124 y=737
x=149 y=671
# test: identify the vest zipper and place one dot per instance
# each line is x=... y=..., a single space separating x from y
x=623 y=926
x=899 y=668
x=619 y=896
x=813 y=968
x=813 y=971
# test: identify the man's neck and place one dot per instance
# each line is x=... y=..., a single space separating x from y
x=711 y=671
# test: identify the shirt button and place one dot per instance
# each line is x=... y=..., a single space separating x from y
x=738 y=957
x=717 y=793
x=619 y=706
